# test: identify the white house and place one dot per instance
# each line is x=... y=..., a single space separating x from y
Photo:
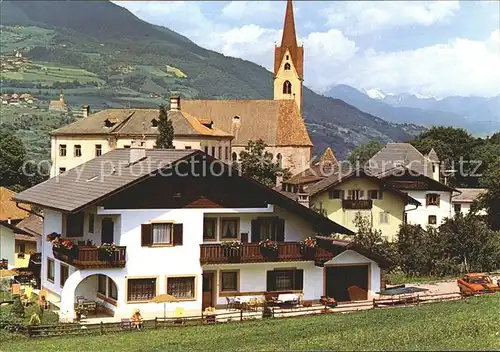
x=464 y=197
x=169 y=212
x=418 y=175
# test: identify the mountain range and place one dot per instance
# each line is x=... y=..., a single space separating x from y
x=104 y=56
x=480 y=116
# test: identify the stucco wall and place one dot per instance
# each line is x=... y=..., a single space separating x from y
x=291 y=76
x=420 y=216
x=391 y=203
x=7 y=246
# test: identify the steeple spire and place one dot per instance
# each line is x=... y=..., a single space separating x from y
x=289 y=39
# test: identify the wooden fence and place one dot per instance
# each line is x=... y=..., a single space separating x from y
x=101 y=328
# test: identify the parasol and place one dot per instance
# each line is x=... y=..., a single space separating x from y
x=164 y=298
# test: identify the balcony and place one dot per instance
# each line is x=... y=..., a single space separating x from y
x=252 y=253
x=91 y=257
x=358 y=204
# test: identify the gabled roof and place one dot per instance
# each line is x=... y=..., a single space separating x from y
x=276 y=122
x=138 y=122
x=328 y=156
x=413 y=181
x=400 y=154
x=433 y=156
x=8 y=208
x=109 y=174
x=467 y=195
x=33 y=225
x=14 y=229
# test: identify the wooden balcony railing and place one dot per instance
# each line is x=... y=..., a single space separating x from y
x=360 y=204
x=252 y=253
x=89 y=257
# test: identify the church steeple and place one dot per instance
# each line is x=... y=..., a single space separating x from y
x=289 y=62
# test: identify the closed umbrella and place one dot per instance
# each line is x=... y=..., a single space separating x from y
x=164 y=298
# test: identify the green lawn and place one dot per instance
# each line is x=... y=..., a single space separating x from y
x=472 y=324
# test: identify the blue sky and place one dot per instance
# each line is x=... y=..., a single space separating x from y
x=435 y=48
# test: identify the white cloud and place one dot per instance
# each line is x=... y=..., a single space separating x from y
x=362 y=17
x=254 y=10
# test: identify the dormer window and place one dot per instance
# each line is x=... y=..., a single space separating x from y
x=154 y=122
x=207 y=123
x=287 y=67
x=109 y=122
x=287 y=87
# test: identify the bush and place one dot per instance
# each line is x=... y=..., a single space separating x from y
x=17 y=309
x=10 y=323
x=267 y=312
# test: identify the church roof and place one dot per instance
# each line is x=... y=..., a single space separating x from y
x=138 y=122
x=433 y=156
x=276 y=122
x=289 y=42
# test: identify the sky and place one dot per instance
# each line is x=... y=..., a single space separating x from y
x=433 y=48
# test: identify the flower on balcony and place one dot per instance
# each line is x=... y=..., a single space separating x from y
x=106 y=251
x=269 y=245
x=309 y=242
x=231 y=245
x=52 y=236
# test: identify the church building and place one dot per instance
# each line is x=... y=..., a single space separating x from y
x=223 y=127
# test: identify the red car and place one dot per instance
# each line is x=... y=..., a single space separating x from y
x=476 y=283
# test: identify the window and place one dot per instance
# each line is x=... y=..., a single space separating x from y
x=101 y=284
x=285 y=280
x=162 y=233
x=268 y=229
x=288 y=57
x=234 y=157
x=206 y=150
x=22 y=248
x=62 y=170
x=355 y=194
x=181 y=287
x=187 y=147
x=141 y=289
x=230 y=228
x=432 y=199
x=373 y=194
x=229 y=281
x=209 y=229
x=91 y=223
x=279 y=159
x=78 y=150
x=226 y=153
x=287 y=66
x=287 y=87
x=213 y=152
x=220 y=153
x=112 y=289
x=384 y=218
x=457 y=207
x=64 y=274
x=50 y=269
x=336 y=194
x=154 y=122
x=62 y=150
x=74 y=225
x=126 y=146
x=98 y=150
x=432 y=219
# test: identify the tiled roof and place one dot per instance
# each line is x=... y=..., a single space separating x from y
x=433 y=156
x=138 y=122
x=395 y=155
x=8 y=208
x=289 y=42
x=33 y=224
x=276 y=122
x=467 y=195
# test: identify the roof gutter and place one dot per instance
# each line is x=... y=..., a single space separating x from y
x=28 y=210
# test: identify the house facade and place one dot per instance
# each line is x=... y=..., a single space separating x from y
x=221 y=128
x=463 y=198
x=192 y=235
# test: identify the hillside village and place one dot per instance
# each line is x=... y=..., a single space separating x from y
x=204 y=211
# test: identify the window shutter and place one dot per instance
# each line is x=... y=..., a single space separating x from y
x=427 y=199
x=349 y=194
x=342 y=194
x=271 y=281
x=299 y=279
x=361 y=194
x=146 y=235
x=255 y=230
x=178 y=229
x=381 y=194
x=438 y=199
x=280 y=235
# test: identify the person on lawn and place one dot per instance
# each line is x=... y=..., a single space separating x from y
x=136 y=319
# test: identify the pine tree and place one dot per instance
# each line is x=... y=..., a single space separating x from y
x=17 y=308
x=165 y=139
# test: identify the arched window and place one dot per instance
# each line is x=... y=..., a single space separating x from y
x=287 y=66
x=279 y=159
x=287 y=87
x=234 y=156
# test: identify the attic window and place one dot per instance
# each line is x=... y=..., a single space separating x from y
x=109 y=123
x=207 y=123
x=287 y=66
x=236 y=118
x=288 y=57
x=154 y=122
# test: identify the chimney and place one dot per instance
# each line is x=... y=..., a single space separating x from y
x=303 y=199
x=175 y=103
x=137 y=151
x=86 y=111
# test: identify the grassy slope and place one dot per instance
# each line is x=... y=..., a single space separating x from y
x=472 y=324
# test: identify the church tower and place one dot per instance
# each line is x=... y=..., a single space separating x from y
x=289 y=63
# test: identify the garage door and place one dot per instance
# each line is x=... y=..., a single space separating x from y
x=347 y=283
